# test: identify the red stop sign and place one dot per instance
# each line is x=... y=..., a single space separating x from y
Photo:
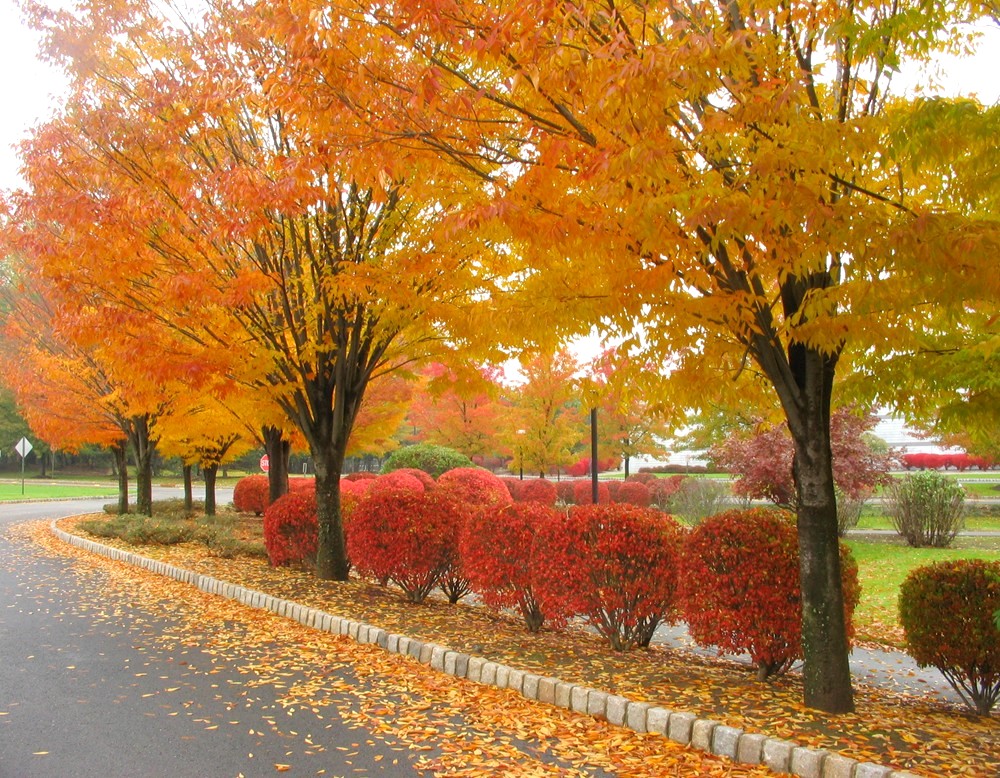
x=265 y=463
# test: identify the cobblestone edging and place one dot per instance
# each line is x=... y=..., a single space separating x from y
x=782 y=756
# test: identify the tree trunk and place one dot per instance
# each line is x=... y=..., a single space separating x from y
x=188 y=490
x=826 y=669
x=278 y=450
x=210 y=472
x=120 y=453
x=331 y=554
x=143 y=447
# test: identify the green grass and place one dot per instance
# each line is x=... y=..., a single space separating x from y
x=40 y=490
x=885 y=563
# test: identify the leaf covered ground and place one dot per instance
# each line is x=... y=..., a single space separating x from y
x=925 y=735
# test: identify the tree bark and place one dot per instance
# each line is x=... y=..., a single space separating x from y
x=188 y=490
x=331 y=554
x=210 y=472
x=143 y=447
x=120 y=453
x=278 y=450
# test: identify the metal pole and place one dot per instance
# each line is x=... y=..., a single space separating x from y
x=593 y=455
x=22 y=474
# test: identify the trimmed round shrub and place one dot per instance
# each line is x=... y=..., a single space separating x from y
x=514 y=486
x=252 y=494
x=947 y=613
x=474 y=487
x=614 y=565
x=424 y=477
x=408 y=537
x=291 y=529
x=427 y=457
x=740 y=588
x=538 y=490
x=634 y=493
x=363 y=475
x=394 y=482
x=583 y=493
x=307 y=485
x=496 y=556
x=641 y=478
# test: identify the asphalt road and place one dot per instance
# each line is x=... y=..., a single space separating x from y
x=90 y=687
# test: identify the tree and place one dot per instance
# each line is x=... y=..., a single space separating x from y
x=763 y=459
x=545 y=425
x=733 y=175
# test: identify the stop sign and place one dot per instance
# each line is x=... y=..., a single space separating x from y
x=265 y=463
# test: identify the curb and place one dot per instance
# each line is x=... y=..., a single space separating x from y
x=686 y=729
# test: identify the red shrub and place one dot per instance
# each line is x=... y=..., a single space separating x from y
x=538 y=490
x=947 y=612
x=474 y=487
x=513 y=486
x=496 y=556
x=615 y=565
x=566 y=491
x=252 y=494
x=364 y=475
x=642 y=478
x=302 y=485
x=662 y=489
x=583 y=492
x=394 y=482
x=424 y=477
x=405 y=536
x=291 y=529
x=740 y=592
x=634 y=493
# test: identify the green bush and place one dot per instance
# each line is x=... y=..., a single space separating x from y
x=926 y=508
x=141 y=530
x=698 y=498
x=429 y=458
x=849 y=511
x=948 y=613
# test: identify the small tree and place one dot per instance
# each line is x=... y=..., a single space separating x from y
x=950 y=617
x=926 y=508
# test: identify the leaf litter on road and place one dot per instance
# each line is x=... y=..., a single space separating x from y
x=923 y=734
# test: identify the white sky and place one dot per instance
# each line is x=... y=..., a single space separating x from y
x=30 y=89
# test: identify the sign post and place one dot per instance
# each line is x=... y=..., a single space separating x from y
x=23 y=448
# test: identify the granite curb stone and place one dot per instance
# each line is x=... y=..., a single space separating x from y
x=681 y=727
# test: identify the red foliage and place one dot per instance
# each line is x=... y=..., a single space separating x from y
x=947 y=613
x=634 y=493
x=475 y=487
x=581 y=467
x=302 y=485
x=363 y=475
x=763 y=460
x=252 y=494
x=513 y=486
x=566 y=491
x=395 y=481
x=583 y=492
x=424 y=477
x=538 y=490
x=614 y=565
x=740 y=586
x=405 y=536
x=291 y=529
x=642 y=478
x=662 y=489
x=496 y=556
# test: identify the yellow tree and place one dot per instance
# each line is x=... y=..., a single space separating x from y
x=727 y=174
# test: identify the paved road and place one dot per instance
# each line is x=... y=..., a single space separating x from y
x=99 y=678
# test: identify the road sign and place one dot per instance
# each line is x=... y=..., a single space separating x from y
x=23 y=447
x=265 y=463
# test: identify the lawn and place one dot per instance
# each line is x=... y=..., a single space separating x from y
x=40 y=490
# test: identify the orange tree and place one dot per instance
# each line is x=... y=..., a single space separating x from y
x=730 y=175
x=242 y=220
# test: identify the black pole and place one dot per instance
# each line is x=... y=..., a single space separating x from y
x=593 y=455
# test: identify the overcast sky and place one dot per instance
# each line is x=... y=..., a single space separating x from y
x=29 y=89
